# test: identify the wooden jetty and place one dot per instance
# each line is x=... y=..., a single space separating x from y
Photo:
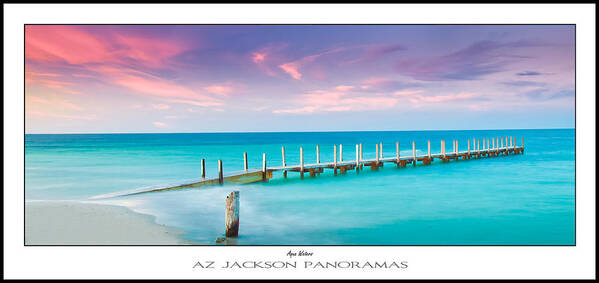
x=493 y=147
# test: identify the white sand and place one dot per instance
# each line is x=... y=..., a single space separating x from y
x=74 y=223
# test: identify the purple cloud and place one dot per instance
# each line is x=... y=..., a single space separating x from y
x=528 y=73
x=470 y=63
x=544 y=94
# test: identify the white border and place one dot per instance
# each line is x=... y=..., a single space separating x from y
x=176 y=262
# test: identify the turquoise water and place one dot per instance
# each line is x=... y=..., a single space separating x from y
x=515 y=200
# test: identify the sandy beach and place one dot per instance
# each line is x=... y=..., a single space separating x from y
x=75 y=223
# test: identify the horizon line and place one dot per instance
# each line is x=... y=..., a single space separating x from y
x=250 y=132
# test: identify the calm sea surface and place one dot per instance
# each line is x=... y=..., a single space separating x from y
x=515 y=200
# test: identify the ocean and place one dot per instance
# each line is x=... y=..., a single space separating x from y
x=524 y=199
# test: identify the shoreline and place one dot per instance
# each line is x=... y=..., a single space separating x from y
x=82 y=223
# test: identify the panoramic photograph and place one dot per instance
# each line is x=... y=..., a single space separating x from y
x=308 y=135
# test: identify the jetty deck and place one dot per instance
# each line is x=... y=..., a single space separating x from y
x=493 y=147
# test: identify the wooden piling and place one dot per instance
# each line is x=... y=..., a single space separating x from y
x=245 y=161
x=377 y=153
x=468 y=147
x=284 y=163
x=335 y=159
x=220 y=172
x=301 y=162
x=397 y=151
x=493 y=143
x=361 y=156
x=457 y=148
x=414 y=152
x=232 y=214
x=381 y=149
x=264 y=171
x=340 y=153
x=317 y=154
x=443 y=148
x=357 y=158
x=203 y=168
x=429 y=149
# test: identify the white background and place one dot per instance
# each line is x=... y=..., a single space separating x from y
x=177 y=262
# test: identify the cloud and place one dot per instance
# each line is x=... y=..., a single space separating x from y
x=60 y=116
x=523 y=83
x=258 y=57
x=345 y=87
x=160 y=106
x=55 y=103
x=160 y=124
x=292 y=68
x=219 y=89
x=545 y=94
x=77 y=45
x=528 y=73
x=470 y=63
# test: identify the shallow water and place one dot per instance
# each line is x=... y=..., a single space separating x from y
x=515 y=200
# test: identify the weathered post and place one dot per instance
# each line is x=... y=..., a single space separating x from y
x=457 y=148
x=245 y=161
x=357 y=158
x=317 y=154
x=340 y=153
x=443 y=148
x=335 y=159
x=301 y=162
x=493 y=143
x=220 y=172
x=468 y=147
x=381 y=148
x=203 y=168
x=377 y=154
x=264 y=177
x=429 y=149
x=414 y=152
x=284 y=163
x=397 y=152
x=232 y=214
x=361 y=155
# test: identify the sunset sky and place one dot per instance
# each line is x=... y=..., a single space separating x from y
x=240 y=78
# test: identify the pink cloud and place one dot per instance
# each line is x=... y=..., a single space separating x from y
x=61 y=116
x=55 y=102
x=194 y=102
x=160 y=106
x=76 y=45
x=292 y=70
x=345 y=87
x=219 y=89
x=160 y=124
x=258 y=57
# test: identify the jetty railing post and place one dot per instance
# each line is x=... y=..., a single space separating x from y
x=245 y=161
x=381 y=148
x=361 y=155
x=429 y=149
x=443 y=148
x=220 y=172
x=493 y=143
x=284 y=163
x=264 y=178
x=377 y=153
x=317 y=154
x=335 y=159
x=522 y=144
x=203 y=169
x=340 y=153
x=301 y=162
x=357 y=158
x=457 y=148
x=232 y=214
x=397 y=151
x=414 y=152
